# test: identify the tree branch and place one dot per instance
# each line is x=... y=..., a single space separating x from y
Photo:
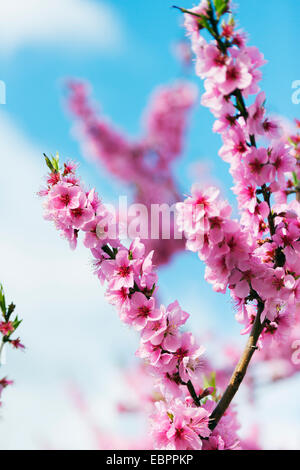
x=240 y=370
x=193 y=393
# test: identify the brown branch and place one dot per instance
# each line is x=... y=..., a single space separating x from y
x=193 y=393
x=240 y=370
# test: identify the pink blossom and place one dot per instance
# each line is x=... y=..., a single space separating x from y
x=6 y=327
x=82 y=214
x=119 y=298
x=237 y=77
x=235 y=145
x=178 y=426
x=281 y=160
x=190 y=21
x=4 y=383
x=119 y=271
x=213 y=63
x=192 y=363
x=64 y=196
x=256 y=113
x=257 y=164
x=142 y=310
x=16 y=343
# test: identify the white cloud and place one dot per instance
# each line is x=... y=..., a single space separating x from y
x=73 y=24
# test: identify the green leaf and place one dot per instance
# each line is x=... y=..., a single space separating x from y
x=2 y=300
x=292 y=142
x=295 y=179
x=55 y=162
x=52 y=164
x=210 y=381
x=152 y=290
x=16 y=322
x=49 y=163
x=218 y=4
x=213 y=380
x=221 y=7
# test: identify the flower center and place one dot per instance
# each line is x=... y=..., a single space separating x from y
x=179 y=432
x=232 y=73
x=144 y=311
x=124 y=271
x=255 y=166
x=180 y=353
x=241 y=147
x=77 y=212
x=65 y=199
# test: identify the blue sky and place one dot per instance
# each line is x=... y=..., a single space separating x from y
x=124 y=77
x=124 y=64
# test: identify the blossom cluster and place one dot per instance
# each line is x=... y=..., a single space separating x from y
x=173 y=356
x=257 y=257
x=145 y=162
x=8 y=326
